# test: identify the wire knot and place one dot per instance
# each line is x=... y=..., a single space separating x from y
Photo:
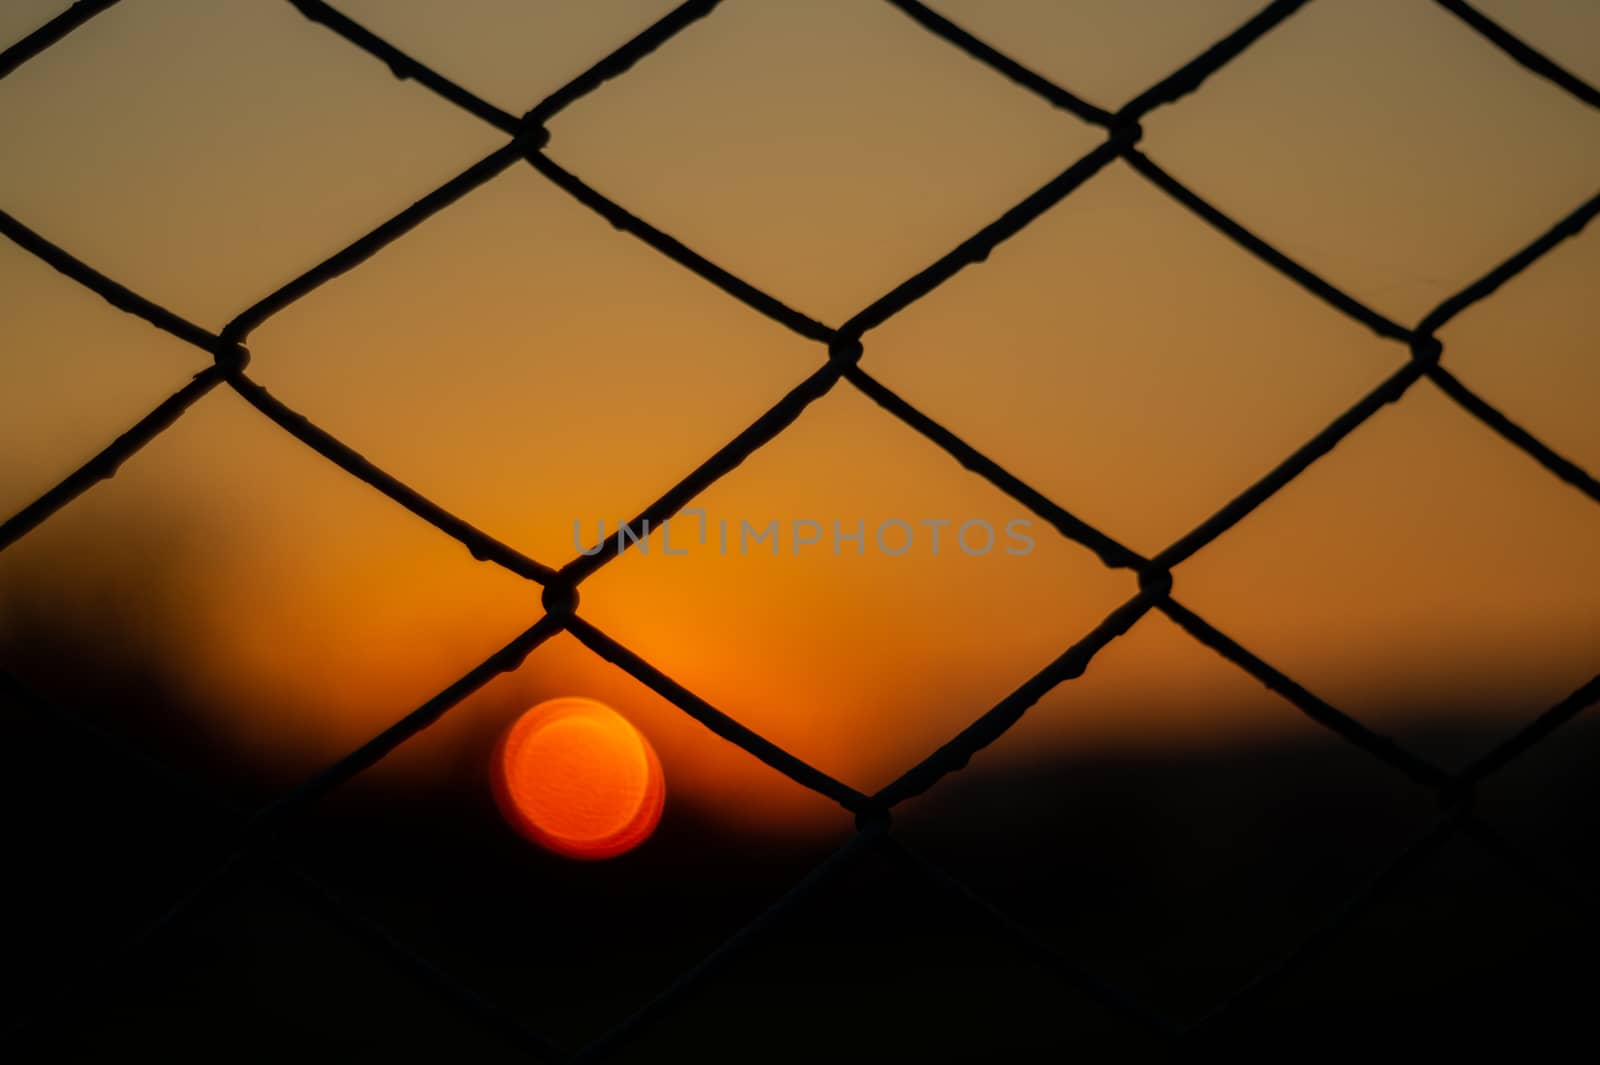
x=1125 y=133
x=230 y=356
x=873 y=818
x=532 y=135
x=1155 y=581
x=1457 y=796
x=560 y=599
x=845 y=351
x=1426 y=349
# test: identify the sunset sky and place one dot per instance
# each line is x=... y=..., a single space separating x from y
x=525 y=365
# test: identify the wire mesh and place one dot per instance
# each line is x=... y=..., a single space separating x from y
x=249 y=847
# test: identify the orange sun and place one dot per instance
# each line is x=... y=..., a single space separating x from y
x=578 y=779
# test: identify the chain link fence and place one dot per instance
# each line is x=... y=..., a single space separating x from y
x=1151 y=577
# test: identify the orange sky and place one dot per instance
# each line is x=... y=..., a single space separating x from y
x=525 y=365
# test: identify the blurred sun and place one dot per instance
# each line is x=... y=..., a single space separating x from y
x=578 y=779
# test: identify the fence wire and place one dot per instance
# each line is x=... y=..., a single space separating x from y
x=249 y=850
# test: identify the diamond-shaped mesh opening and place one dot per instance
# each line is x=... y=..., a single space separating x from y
x=261 y=843
x=1355 y=112
x=1174 y=867
x=952 y=596
x=1436 y=577
x=576 y=946
x=847 y=119
x=550 y=351
x=1073 y=357
x=264 y=518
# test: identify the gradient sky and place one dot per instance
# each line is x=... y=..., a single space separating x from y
x=522 y=363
